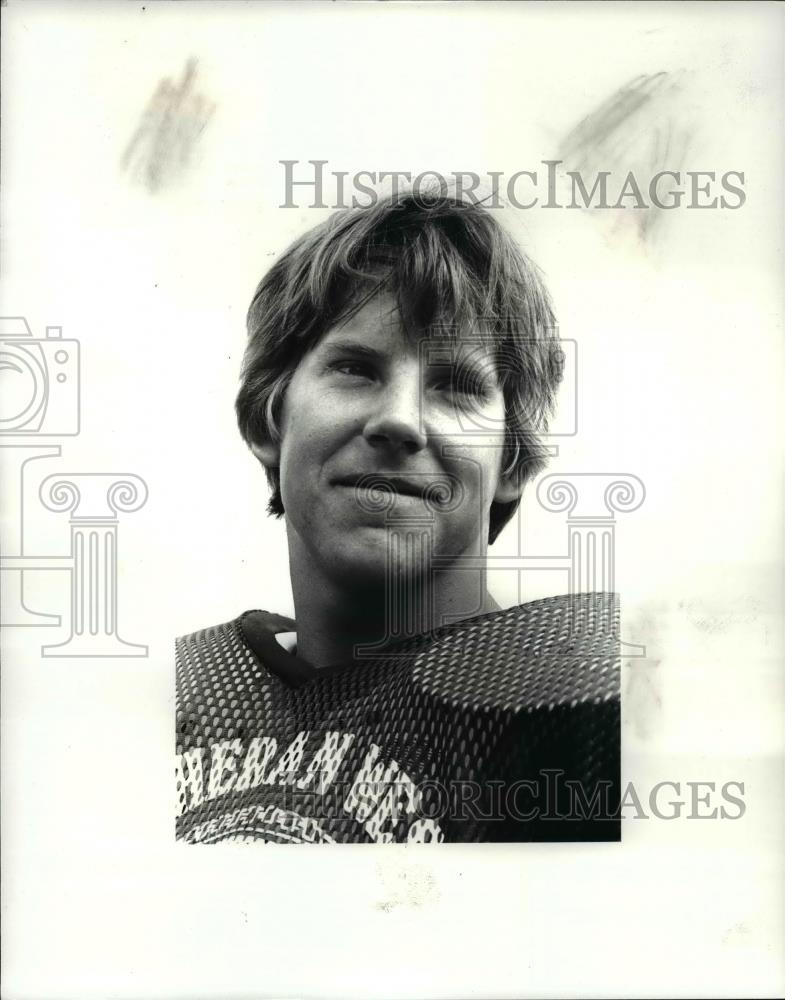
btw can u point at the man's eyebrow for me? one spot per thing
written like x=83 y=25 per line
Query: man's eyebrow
x=357 y=348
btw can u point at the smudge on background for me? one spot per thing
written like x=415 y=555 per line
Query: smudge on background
x=162 y=147
x=644 y=127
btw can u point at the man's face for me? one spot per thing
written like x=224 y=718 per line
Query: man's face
x=370 y=401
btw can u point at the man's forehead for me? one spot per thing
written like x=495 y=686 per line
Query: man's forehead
x=377 y=316
x=378 y=323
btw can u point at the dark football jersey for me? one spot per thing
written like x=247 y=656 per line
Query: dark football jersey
x=502 y=727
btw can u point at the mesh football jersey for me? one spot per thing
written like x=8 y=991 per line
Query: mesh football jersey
x=502 y=727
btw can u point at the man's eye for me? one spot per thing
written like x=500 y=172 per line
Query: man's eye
x=460 y=382
x=353 y=368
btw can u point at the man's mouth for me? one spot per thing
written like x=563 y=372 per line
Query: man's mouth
x=380 y=492
x=388 y=483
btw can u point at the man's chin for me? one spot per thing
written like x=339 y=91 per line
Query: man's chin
x=373 y=557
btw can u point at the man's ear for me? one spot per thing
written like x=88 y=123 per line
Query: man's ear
x=509 y=488
x=268 y=453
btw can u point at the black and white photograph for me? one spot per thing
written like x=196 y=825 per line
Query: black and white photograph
x=391 y=554
x=401 y=359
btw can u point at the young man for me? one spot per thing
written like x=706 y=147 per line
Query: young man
x=402 y=361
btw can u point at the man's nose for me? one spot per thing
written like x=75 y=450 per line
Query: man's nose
x=397 y=419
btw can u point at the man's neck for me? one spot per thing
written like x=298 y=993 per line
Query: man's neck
x=335 y=620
